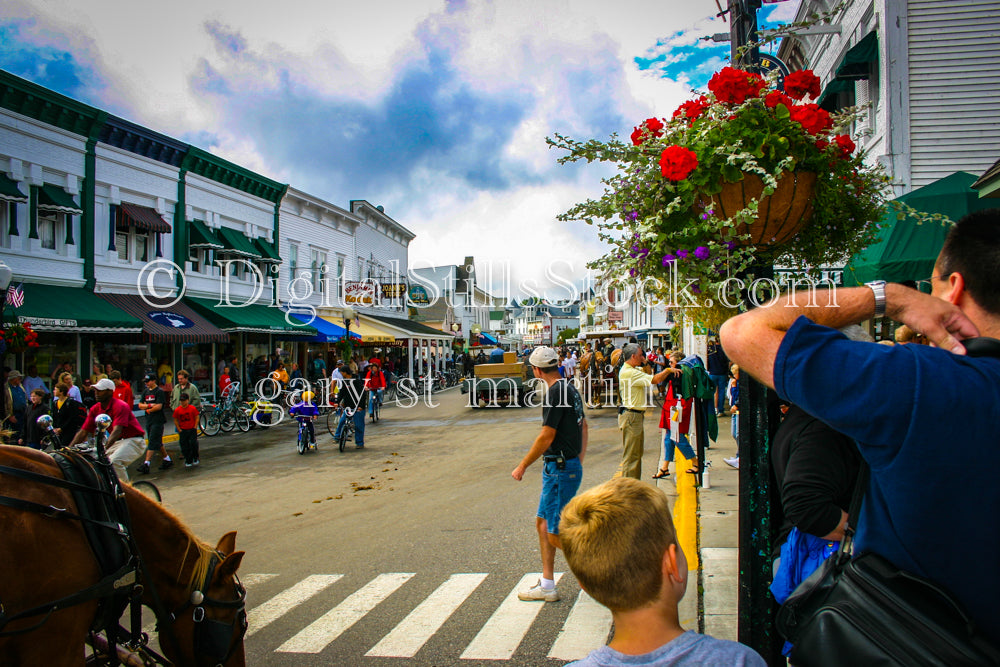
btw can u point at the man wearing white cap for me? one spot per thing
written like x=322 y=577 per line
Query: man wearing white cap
x=126 y=441
x=562 y=445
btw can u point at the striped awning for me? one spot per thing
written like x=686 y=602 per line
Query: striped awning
x=200 y=236
x=142 y=217
x=55 y=199
x=177 y=323
x=236 y=243
x=10 y=192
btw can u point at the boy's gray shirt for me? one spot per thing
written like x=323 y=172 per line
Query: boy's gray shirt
x=688 y=650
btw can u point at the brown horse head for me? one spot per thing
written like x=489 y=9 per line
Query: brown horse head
x=191 y=579
x=197 y=584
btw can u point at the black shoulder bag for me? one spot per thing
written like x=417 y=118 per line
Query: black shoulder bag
x=866 y=611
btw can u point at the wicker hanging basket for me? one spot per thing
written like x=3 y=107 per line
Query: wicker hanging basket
x=780 y=215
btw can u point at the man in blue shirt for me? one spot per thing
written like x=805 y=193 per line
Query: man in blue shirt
x=927 y=509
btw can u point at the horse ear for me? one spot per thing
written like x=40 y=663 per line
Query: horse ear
x=227 y=544
x=227 y=568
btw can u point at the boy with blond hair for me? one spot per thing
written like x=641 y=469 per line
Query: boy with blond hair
x=619 y=541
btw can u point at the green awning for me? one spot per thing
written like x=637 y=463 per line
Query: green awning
x=253 y=318
x=857 y=62
x=10 y=192
x=906 y=250
x=267 y=250
x=200 y=236
x=71 y=309
x=828 y=98
x=236 y=243
x=53 y=198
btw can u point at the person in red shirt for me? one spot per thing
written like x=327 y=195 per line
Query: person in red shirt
x=224 y=381
x=123 y=390
x=375 y=383
x=186 y=421
x=127 y=441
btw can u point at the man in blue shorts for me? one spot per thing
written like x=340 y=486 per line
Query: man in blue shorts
x=562 y=445
x=927 y=513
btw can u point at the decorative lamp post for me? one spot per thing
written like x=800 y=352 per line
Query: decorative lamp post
x=348 y=314
x=476 y=330
x=5 y=277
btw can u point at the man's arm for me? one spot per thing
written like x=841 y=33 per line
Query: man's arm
x=542 y=442
x=585 y=435
x=752 y=339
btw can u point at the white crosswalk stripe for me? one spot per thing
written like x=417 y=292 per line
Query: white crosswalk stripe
x=280 y=604
x=586 y=629
x=586 y=626
x=420 y=625
x=503 y=632
x=319 y=634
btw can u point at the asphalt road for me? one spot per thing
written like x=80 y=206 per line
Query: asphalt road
x=402 y=553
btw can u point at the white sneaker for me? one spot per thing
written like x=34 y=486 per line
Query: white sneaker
x=536 y=592
x=733 y=462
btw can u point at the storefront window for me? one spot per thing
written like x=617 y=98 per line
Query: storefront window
x=197 y=359
x=54 y=349
x=127 y=358
x=257 y=358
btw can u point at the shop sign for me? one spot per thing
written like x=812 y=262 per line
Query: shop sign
x=359 y=293
x=418 y=295
x=168 y=318
x=46 y=321
x=615 y=316
x=393 y=290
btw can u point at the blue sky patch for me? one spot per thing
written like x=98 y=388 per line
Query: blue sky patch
x=47 y=66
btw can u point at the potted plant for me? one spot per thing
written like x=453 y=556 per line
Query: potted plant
x=744 y=175
x=18 y=337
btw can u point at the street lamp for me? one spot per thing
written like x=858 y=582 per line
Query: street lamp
x=348 y=314
x=5 y=277
x=476 y=330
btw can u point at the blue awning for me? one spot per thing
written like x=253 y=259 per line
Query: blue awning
x=328 y=331
x=486 y=339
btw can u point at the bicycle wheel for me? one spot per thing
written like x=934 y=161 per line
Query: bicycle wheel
x=342 y=440
x=148 y=489
x=209 y=422
x=243 y=418
x=331 y=422
x=228 y=421
x=301 y=444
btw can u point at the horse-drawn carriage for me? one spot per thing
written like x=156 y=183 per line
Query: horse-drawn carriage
x=598 y=379
x=80 y=547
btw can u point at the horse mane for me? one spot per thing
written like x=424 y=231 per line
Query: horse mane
x=205 y=552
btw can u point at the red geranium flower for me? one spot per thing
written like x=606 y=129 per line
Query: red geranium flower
x=692 y=108
x=734 y=86
x=845 y=144
x=651 y=127
x=801 y=83
x=811 y=117
x=776 y=97
x=677 y=163
x=822 y=144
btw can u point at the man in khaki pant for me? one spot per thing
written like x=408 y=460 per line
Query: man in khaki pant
x=633 y=385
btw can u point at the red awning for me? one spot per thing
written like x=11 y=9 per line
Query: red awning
x=143 y=217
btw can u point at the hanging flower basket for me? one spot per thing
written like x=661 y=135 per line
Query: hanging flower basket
x=780 y=215
x=740 y=177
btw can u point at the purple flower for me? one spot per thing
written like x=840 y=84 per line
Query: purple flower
x=704 y=216
x=668 y=260
x=632 y=272
x=729 y=245
x=633 y=216
x=701 y=252
x=682 y=254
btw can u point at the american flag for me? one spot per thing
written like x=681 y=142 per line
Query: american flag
x=15 y=295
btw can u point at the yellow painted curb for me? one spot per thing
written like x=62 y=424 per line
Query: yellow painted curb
x=686 y=511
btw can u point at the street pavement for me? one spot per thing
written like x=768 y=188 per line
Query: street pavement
x=411 y=551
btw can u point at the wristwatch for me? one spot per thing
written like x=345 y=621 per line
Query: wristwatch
x=878 y=289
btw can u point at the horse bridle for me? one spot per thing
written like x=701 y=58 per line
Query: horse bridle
x=213 y=639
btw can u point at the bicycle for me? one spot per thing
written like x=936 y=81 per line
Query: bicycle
x=347 y=433
x=376 y=406
x=304 y=443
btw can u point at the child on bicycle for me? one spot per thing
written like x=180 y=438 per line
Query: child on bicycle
x=305 y=413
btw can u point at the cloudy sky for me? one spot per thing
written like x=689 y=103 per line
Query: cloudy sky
x=436 y=109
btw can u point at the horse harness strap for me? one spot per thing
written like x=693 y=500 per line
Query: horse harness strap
x=108 y=586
